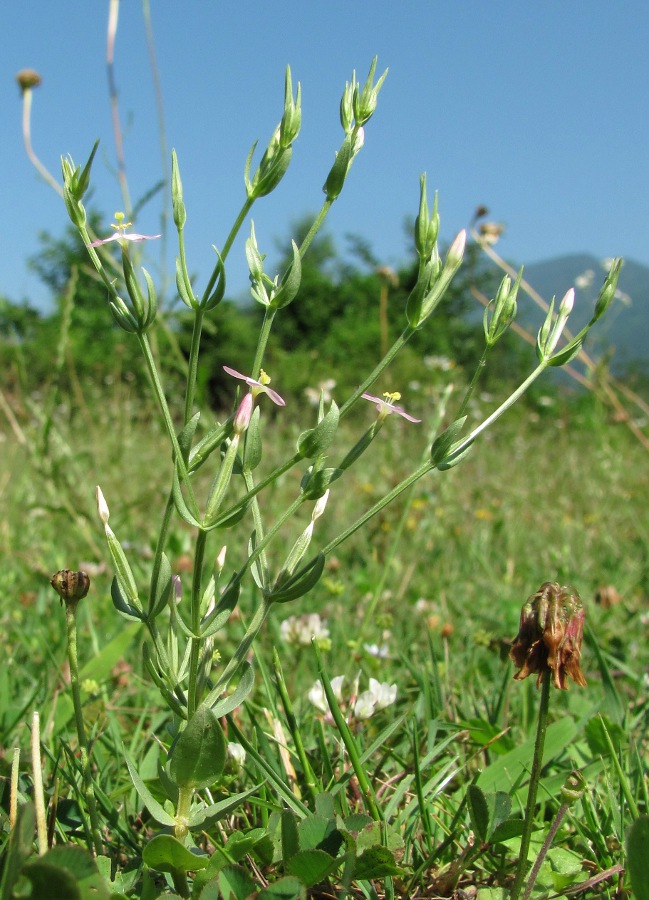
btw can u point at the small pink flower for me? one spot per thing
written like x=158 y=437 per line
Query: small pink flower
x=257 y=387
x=120 y=233
x=385 y=405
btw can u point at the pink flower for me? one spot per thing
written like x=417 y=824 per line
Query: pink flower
x=120 y=233
x=385 y=405
x=257 y=387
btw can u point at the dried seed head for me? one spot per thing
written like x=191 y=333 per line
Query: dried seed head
x=70 y=586
x=549 y=636
x=28 y=78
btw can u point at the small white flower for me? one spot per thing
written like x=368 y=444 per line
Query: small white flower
x=317 y=697
x=364 y=706
x=383 y=694
x=237 y=753
x=300 y=630
x=379 y=651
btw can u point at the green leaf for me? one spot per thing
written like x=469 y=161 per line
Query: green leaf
x=318 y=832
x=637 y=854
x=162 y=587
x=228 y=600
x=230 y=702
x=290 y=842
x=234 y=882
x=506 y=771
x=443 y=442
x=312 y=866
x=165 y=853
x=252 y=450
x=21 y=839
x=316 y=440
x=181 y=506
x=198 y=756
x=289 y=888
x=121 y=604
x=186 y=436
x=300 y=583
x=157 y=811
x=314 y=484
x=488 y=810
x=66 y=872
x=375 y=862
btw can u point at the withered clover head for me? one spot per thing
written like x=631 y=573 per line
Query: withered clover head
x=549 y=636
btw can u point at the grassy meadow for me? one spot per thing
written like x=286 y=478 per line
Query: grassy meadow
x=427 y=596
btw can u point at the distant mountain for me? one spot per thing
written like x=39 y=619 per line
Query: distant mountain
x=625 y=327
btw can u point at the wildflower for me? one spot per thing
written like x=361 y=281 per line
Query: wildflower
x=258 y=387
x=380 y=651
x=550 y=635
x=359 y=706
x=385 y=405
x=237 y=753
x=490 y=232
x=300 y=630
x=120 y=233
x=317 y=696
x=323 y=389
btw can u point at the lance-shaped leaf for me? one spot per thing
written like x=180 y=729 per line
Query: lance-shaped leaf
x=198 y=756
x=316 y=440
x=227 y=704
x=443 y=443
x=186 y=436
x=182 y=508
x=300 y=583
x=161 y=588
x=252 y=451
x=121 y=604
x=156 y=809
x=206 y=817
x=290 y=282
x=228 y=600
x=315 y=483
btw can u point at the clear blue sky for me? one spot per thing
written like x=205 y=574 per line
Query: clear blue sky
x=537 y=110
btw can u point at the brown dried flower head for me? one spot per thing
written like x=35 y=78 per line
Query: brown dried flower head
x=70 y=586
x=28 y=78
x=550 y=635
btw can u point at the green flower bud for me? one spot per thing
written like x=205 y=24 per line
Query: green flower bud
x=608 y=289
x=178 y=205
x=426 y=226
x=336 y=177
x=364 y=103
x=292 y=118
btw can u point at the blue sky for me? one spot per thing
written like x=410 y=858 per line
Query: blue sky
x=536 y=110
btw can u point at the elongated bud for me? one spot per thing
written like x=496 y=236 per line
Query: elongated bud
x=243 y=414
x=292 y=118
x=455 y=253
x=102 y=506
x=608 y=289
x=70 y=586
x=177 y=202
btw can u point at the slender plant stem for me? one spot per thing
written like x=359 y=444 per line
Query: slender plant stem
x=547 y=843
x=196 y=642
x=535 y=777
x=89 y=791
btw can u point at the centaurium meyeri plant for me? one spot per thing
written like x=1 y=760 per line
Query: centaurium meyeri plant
x=178 y=654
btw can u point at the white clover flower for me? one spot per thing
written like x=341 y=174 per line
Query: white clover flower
x=381 y=651
x=364 y=706
x=317 y=697
x=300 y=630
x=383 y=694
